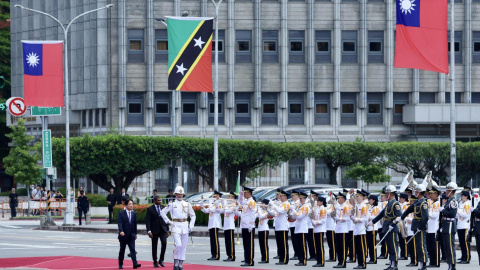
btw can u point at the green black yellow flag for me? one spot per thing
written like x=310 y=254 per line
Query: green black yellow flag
x=190 y=53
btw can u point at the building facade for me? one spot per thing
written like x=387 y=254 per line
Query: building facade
x=289 y=70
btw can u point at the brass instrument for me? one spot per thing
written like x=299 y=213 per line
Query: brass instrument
x=408 y=181
x=403 y=229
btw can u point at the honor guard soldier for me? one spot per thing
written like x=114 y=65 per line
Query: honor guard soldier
x=382 y=204
x=263 y=230
x=276 y=201
x=294 y=205
x=402 y=241
x=342 y=217
x=373 y=211
x=350 y=239
x=331 y=224
x=360 y=218
x=281 y=226
x=408 y=225
x=310 y=237
x=228 y=211
x=433 y=226
x=301 y=229
x=476 y=227
x=248 y=213
x=180 y=211
x=213 y=210
x=419 y=224
x=463 y=225
x=449 y=224
x=390 y=229
x=443 y=201
x=319 y=229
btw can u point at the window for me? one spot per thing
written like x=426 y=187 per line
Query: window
x=242 y=108
x=349 y=46
x=458 y=97
x=211 y=109
x=375 y=47
x=270 y=49
x=162 y=108
x=296 y=41
x=348 y=115
x=399 y=100
x=221 y=47
x=161 y=46
x=104 y=117
x=296 y=171
x=295 y=108
x=97 y=117
x=457 y=45
x=90 y=118
x=426 y=97
x=135 y=108
x=398 y=108
x=189 y=108
x=476 y=46
x=322 y=46
x=84 y=118
x=243 y=52
x=374 y=108
x=135 y=45
x=321 y=108
x=269 y=108
x=322 y=173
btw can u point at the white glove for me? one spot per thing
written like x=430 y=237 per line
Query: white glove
x=270 y=203
x=391 y=227
x=190 y=229
x=440 y=209
x=337 y=219
x=250 y=229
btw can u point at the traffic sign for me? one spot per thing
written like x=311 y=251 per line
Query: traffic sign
x=47 y=148
x=16 y=106
x=42 y=111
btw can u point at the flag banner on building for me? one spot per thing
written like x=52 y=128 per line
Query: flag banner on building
x=43 y=73
x=421 y=39
x=190 y=53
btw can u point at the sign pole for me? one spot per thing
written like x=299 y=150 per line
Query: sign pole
x=49 y=221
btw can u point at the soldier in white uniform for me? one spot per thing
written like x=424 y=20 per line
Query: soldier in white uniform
x=350 y=238
x=228 y=211
x=342 y=218
x=281 y=227
x=301 y=229
x=312 y=202
x=402 y=242
x=433 y=227
x=463 y=216
x=276 y=201
x=382 y=204
x=319 y=230
x=359 y=218
x=180 y=211
x=331 y=224
x=408 y=224
x=213 y=210
x=248 y=213
x=263 y=230
x=373 y=211
x=294 y=205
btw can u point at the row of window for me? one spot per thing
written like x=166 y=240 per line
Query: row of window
x=94 y=118
x=323 y=40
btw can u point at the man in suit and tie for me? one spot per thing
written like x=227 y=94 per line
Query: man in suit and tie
x=122 y=195
x=157 y=228
x=127 y=228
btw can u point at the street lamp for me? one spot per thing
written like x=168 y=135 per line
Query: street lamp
x=68 y=218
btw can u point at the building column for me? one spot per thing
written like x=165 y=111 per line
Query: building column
x=150 y=48
x=257 y=58
x=468 y=52
x=389 y=53
x=282 y=116
x=122 y=66
x=337 y=59
x=363 y=66
x=229 y=45
x=310 y=49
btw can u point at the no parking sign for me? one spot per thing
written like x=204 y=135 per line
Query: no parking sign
x=16 y=106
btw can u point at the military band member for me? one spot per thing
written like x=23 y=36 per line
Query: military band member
x=476 y=227
x=390 y=228
x=350 y=239
x=301 y=229
x=180 y=211
x=228 y=211
x=213 y=210
x=331 y=224
x=281 y=227
x=384 y=247
x=319 y=224
x=463 y=225
x=443 y=200
x=276 y=201
x=402 y=242
x=360 y=218
x=312 y=201
x=411 y=242
x=449 y=224
x=263 y=230
x=373 y=211
x=294 y=204
x=248 y=214
x=419 y=225
x=342 y=217
x=433 y=226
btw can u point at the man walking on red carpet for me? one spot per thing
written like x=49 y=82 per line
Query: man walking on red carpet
x=127 y=228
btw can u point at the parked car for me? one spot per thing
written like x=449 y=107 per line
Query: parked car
x=272 y=193
x=195 y=199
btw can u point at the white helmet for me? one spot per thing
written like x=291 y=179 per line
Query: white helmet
x=452 y=186
x=179 y=190
x=419 y=188
x=390 y=188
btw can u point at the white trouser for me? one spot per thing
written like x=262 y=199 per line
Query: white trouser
x=180 y=245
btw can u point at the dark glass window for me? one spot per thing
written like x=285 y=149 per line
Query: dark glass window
x=161 y=108
x=269 y=46
x=374 y=108
x=242 y=108
x=189 y=108
x=135 y=45
x=323 y=46
x=348 y=46
x=212 y=108
x=162 y=45
x=375 y=46
x=243 y=46
x=321 y=108
x=296 y=46
x=269 y=108
x=134 y=107
x=220 y=45
x=348 y=108
x=295 y=108
x=398 y=108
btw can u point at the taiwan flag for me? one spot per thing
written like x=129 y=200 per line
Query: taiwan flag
x=43 y=73
x=190 y=53
x=421 y=39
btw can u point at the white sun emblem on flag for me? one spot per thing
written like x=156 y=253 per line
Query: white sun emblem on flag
x=407 y=6
x=32 y=59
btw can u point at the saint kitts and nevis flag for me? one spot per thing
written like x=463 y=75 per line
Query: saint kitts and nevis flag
x=421 y=39
x=190 y=53
x=43 y=73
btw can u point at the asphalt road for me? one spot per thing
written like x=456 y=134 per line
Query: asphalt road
x=19 y=239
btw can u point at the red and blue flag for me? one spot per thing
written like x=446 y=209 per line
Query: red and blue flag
x=421 y=39
x=43 y=73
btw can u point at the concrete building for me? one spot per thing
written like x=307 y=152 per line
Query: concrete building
x=298 y=70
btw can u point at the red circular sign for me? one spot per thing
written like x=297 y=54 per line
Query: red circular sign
x=17 y=106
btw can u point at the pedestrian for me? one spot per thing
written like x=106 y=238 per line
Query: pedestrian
x=78 y=191
x=248 y=213
x=180 y=211
x=152 y=198
x=350 y=239
x=112 y=201
x=228 y=211
x=122 y=195
x=312 y=201
x=58 y=195
x=36 y=196
x=213 y=210
x=170 y=197
x=134 y=195
x=263 y=231
x=13 y=202
x=294 y=204
x=127 y=228
x=402 y=241
x=157 y=228
x=82 y=205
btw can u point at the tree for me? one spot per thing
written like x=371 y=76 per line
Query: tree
x=5 y=71
x=468 y=161
x=23 y=160
x=369 y=173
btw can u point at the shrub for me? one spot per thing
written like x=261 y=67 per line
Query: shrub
x=97 y=200
x=20 y=192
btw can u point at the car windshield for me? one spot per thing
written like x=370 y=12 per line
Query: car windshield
x=268 y=195
x=259 y=193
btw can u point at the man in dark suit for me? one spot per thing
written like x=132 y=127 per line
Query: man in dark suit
x=112 y=201
x=82 y=205
x=124 y=194
x=157 y=228
x=127 y=228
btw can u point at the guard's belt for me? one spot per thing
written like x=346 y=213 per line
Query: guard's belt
x=448 y=219
x=179 y=220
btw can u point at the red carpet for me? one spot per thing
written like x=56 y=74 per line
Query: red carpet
x=75 y=262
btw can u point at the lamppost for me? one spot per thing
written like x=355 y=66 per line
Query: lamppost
x=68 y=218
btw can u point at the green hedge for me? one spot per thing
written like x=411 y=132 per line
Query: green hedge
x=97 y=200
x=19 y=191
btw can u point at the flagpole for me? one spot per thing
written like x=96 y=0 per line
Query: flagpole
x=215 y=92
x=453 y=154
x=68 y=218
